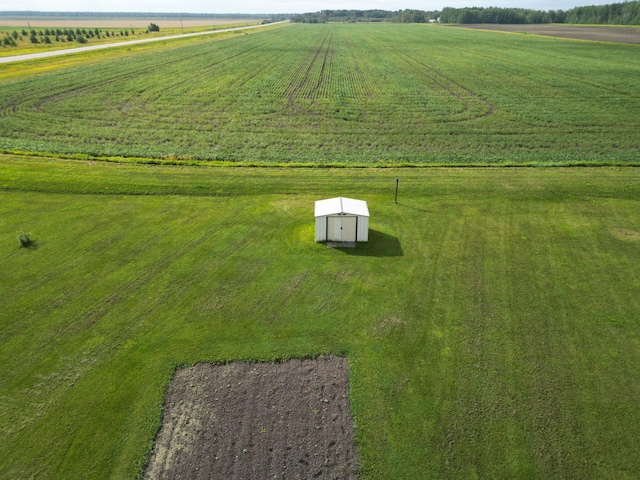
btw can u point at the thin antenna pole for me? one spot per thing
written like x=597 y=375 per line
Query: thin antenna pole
x=397 y=182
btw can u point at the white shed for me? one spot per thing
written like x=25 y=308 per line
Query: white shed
x=342 y=220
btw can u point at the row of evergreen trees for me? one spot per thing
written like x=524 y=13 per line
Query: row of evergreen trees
x=626 y=13
x=60 y=35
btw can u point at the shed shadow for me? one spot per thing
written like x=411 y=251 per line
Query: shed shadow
x=413 y=207
x=379 y=245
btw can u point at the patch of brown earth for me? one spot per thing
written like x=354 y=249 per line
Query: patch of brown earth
x=625 y=234
x=341 y=244
x=600 y=33
x=241 y=420
x=388 y=323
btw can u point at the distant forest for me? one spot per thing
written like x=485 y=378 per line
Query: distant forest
x=626 y=13
x=352 y=16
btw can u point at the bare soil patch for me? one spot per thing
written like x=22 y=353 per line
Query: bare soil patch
x=626 y=234
x=241 y=420
x=341 y=244
x=604 y=33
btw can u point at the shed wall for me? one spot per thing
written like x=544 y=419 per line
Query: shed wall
x=321 y=229
x=362 y=232
x=363 y=229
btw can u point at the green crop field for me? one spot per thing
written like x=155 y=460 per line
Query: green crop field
x=491 y=323
x=336 y=94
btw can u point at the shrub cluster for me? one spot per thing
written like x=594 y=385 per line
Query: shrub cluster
x=8 y=41
x=26 y=241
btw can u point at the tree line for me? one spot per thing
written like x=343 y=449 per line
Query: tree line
x=353 y=16
x=626 y=13
x=499 y=15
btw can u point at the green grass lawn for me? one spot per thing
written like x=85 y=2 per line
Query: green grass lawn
x=491 y=323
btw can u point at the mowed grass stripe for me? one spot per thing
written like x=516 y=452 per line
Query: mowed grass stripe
x=490 y=324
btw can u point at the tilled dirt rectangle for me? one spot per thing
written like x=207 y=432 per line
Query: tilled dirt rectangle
x=263 y=420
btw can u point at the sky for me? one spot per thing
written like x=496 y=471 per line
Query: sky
x=278 y=6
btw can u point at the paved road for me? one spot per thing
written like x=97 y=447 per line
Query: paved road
x=32 y=56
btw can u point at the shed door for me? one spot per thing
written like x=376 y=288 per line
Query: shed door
x=334 y=229
x=349 y=229
x=341 y=229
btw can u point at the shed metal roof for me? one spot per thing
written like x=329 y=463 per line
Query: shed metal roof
x=335 y=206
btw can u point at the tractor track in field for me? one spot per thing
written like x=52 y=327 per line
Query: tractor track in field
x=359 y=74
x=298 y=86
x=254 y=73
x=97 y=84
x=555 y=73
x=321 y=78
x=446 y=83
x=101 y=82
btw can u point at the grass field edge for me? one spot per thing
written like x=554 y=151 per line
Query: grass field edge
x=192 y=162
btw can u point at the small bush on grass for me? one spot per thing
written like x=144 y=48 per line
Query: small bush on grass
x=26 y=241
